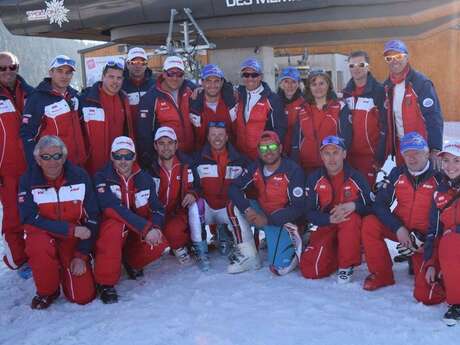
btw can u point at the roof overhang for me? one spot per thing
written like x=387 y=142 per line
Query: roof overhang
x=238 y=23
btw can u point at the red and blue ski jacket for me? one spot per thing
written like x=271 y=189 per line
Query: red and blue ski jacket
x=132 y=201
x=158 y=108
x=12 y=159
x=413 y=196
x=369 y=119
x=321 y=194
x=49 y=113
x=280 y=195
x=421 y=111
x=214 y=178
x=314 y=125
x=444 y=216
x=57 y=210
x=201 y=115
x=267 y=114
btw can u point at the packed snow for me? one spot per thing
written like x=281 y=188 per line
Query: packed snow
x=177 y=305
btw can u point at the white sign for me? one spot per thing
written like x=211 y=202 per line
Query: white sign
x=55 y=11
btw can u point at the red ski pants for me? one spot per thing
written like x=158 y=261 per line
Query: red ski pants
x=116 y=243
x=380 y=264
x=333 y=246
x=12 y=229
x=176 y=230
x=449 y=260
x=50 y=258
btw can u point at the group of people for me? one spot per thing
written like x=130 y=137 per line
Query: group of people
x=135 y=167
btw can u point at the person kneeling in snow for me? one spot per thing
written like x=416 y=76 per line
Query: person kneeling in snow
x=59 y=211
x=337 y=197
x=278 y=182
x=444 y=233
x=132 y=220
x=412 y=186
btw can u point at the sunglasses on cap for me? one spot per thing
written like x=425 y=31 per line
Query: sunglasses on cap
x=127 y=156
x=114 y=64
x=218 y=124
x=62 y=61
x=171 y=74
x=250 y=75
x=268 y=147
x=316 y=72
x=10 y=67
x=138 y=63
x=396 y=57
x=359 y=64
x=47 y=157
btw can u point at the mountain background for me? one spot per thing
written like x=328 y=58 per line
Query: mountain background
x=36 y=53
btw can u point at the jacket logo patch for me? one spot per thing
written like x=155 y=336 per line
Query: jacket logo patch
x=116 y=190
x=232 y=172
x=428 y=102
x=133 y=98
x=297 y=192
x=142 y=198
x=429 y=186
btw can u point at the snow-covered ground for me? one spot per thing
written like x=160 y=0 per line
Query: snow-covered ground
x=180 y=306
x=174 y=305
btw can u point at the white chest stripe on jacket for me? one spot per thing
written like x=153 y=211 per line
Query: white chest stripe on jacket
x=93 y=114
x=7 y=106
x=55 y=109
x=74 y=193
x=207 y=170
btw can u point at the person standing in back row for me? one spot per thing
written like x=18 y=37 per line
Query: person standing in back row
x=365 y=96
x=13 y=94
x=411 y=102
x=167 y=104
x=138 y=79
x=106 y=115
x=53 y=110
x=258 y=109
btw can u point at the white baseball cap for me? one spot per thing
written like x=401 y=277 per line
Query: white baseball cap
x=165 y=132
x=173 y=62
x=452 y=147
x=136 y=52
x=123 y=143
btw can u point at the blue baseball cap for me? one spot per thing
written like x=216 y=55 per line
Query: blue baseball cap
x=412 y=141
x=251 y=63
x=396 y=45
x=289 y=73
x=333 y=140
x=211 y=70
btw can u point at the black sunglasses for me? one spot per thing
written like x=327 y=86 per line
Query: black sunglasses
x=172 y=74
x=250 y=75
x=127 y=156
x=10 y=67
x=47 y=157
